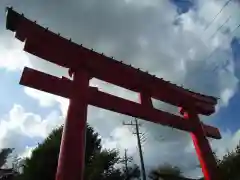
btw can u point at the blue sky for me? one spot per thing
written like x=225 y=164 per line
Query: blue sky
x=227 y=118
x=15 y=94
x=144 y=35
x=183 y=5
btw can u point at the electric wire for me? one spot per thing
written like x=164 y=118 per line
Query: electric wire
x=215 y=17
x=217 y=48
x=220 y=27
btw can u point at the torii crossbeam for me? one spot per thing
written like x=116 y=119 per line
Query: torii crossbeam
x=86 y=64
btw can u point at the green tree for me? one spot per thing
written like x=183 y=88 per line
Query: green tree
x=163 y=170
x=99 y=163
x=6 y=173
x=4 y=154
x=167 y=172
x=131 y=172
x=229 y=165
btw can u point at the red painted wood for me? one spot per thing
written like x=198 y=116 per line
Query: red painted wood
x=202 y=147
x=48 y=83
x=72 y=151
x=145 y=100
x=53 y=48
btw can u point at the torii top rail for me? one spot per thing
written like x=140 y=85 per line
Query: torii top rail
x=86 y=64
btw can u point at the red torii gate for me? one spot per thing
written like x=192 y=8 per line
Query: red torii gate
x=85 y=64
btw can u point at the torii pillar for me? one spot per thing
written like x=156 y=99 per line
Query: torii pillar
x=59 y=50
x=72 y=151
x=201 y=144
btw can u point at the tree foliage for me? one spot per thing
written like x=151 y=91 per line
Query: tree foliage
x=132 y=172
x=99 y=163
x=4 y=154
x=163 y=170
x=229 y=165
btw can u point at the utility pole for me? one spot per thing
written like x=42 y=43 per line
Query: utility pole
x=136 y=124
x=125 y=161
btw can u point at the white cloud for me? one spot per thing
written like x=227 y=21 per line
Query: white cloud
x=226 y=95
x=27 y=152
x=117 y=140
x=142 y=34
x=12 y=57
x=19 y=126
x=44 y=99
x=164 y=39
x=228 y=143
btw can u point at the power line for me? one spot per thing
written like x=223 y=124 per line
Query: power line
x=143 y=138
x=225 y=5
x=235 y=28
x=217 y=48
x=136 y=125
x=220 y=27
x=211 y=53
